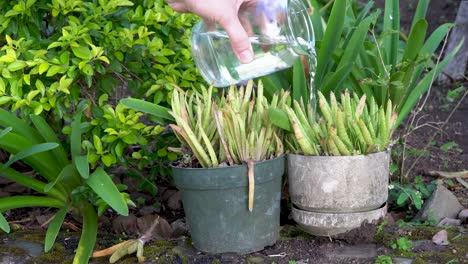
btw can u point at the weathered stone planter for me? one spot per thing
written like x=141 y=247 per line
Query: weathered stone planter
x=331 y=186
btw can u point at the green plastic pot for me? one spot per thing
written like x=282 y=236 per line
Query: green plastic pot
x=215 y=201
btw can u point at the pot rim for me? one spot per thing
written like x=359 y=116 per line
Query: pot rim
x=386 y=151
x=225 y=167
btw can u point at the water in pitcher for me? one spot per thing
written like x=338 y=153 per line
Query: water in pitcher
x=271 y=55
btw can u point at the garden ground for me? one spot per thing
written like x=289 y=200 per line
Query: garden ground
x=440 y=143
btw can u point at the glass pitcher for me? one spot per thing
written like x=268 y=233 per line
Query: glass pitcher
x=279 y=31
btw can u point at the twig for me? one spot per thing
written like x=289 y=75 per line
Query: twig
x=435 y=134
x=149 y=233
x=462 y=182
x=418 y=110
x=450 y=175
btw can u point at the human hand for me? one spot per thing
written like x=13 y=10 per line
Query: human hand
x=224 y=13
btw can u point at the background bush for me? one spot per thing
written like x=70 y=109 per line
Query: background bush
x=58 y=54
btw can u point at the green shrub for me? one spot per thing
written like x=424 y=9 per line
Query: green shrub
x=58 y=54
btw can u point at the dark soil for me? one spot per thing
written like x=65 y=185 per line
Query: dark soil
x=362 y=245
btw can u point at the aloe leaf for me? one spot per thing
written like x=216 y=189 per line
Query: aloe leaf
x=273 y=83
x=147 y=107
x=29 y=152
x=423 y=85
x=300 y=88
x=331 y=39
x=54 y=228
x=50 y=136
x=104 y=187
x=279 y=118
x=88 y=235
x=4 y=224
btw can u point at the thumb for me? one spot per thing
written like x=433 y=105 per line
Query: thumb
x=239 y=39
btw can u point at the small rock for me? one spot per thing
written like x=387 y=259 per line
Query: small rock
x=179 y=228
x=175 y=201
x=363 y=251
x=402 y=261
x=127 y=224
x=167 y=194
x=449 y=222
x=463 y=215
x=147 y=210
x=441 y=204
x=441 y=238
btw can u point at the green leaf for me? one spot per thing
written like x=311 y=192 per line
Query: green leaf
x=49 y=136
x=66 y=172
x=392 y=29
x=29 y=152
x=331 y=40
x=14 y=202
x=147 y=107
x=82 y=52
x=5 y=131
x=280 y=118
x=448 y=146
x=415 y=40
x=88 y=235
x=402 y=198
x=423 y=85
x=300 y=88
x=17 y=65
x=81 y=163
x=104 y=187
x=420 y=13
x=4 y=224
x=54 y=229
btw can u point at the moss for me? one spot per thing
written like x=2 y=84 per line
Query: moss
x=14 y=251
x=216 y=261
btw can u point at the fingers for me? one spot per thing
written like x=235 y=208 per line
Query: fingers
x=239 y=39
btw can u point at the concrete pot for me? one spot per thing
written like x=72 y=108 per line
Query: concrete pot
x=329 y=224
x=339 y=184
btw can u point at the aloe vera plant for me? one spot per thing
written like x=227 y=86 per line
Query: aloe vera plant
x=352 y=126
x=64 y=182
